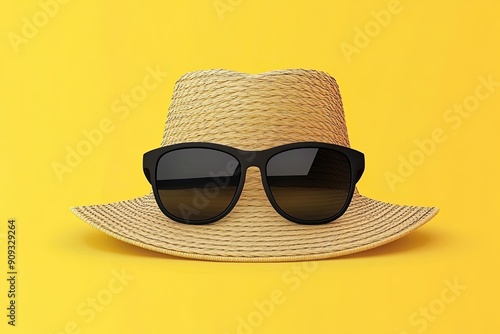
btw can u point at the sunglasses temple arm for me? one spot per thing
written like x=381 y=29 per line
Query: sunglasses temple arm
x=359 y=174
x=147 y=162
x=361 y=168
x=147 y=174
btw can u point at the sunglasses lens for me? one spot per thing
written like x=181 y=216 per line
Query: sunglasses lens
x=196 y=184
x=310 y=184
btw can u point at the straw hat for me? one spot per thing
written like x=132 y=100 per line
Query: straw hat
x=255 y=112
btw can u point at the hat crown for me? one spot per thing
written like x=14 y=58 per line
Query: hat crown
x=256 y=111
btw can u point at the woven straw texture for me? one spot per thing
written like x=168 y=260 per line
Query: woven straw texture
x=254 y=112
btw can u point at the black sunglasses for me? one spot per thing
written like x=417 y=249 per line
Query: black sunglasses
x=200 y=183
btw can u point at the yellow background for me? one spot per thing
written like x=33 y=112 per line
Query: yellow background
x=396 y=89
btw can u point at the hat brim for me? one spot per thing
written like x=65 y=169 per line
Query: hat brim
x=256 y=233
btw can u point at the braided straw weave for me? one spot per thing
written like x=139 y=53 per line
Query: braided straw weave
x=255 y=112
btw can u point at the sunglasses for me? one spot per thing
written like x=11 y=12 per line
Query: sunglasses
x=200 y=183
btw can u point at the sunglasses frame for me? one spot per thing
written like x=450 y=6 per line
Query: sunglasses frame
x=257 y=159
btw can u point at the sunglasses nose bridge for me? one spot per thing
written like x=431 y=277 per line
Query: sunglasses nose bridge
x=252 y=159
